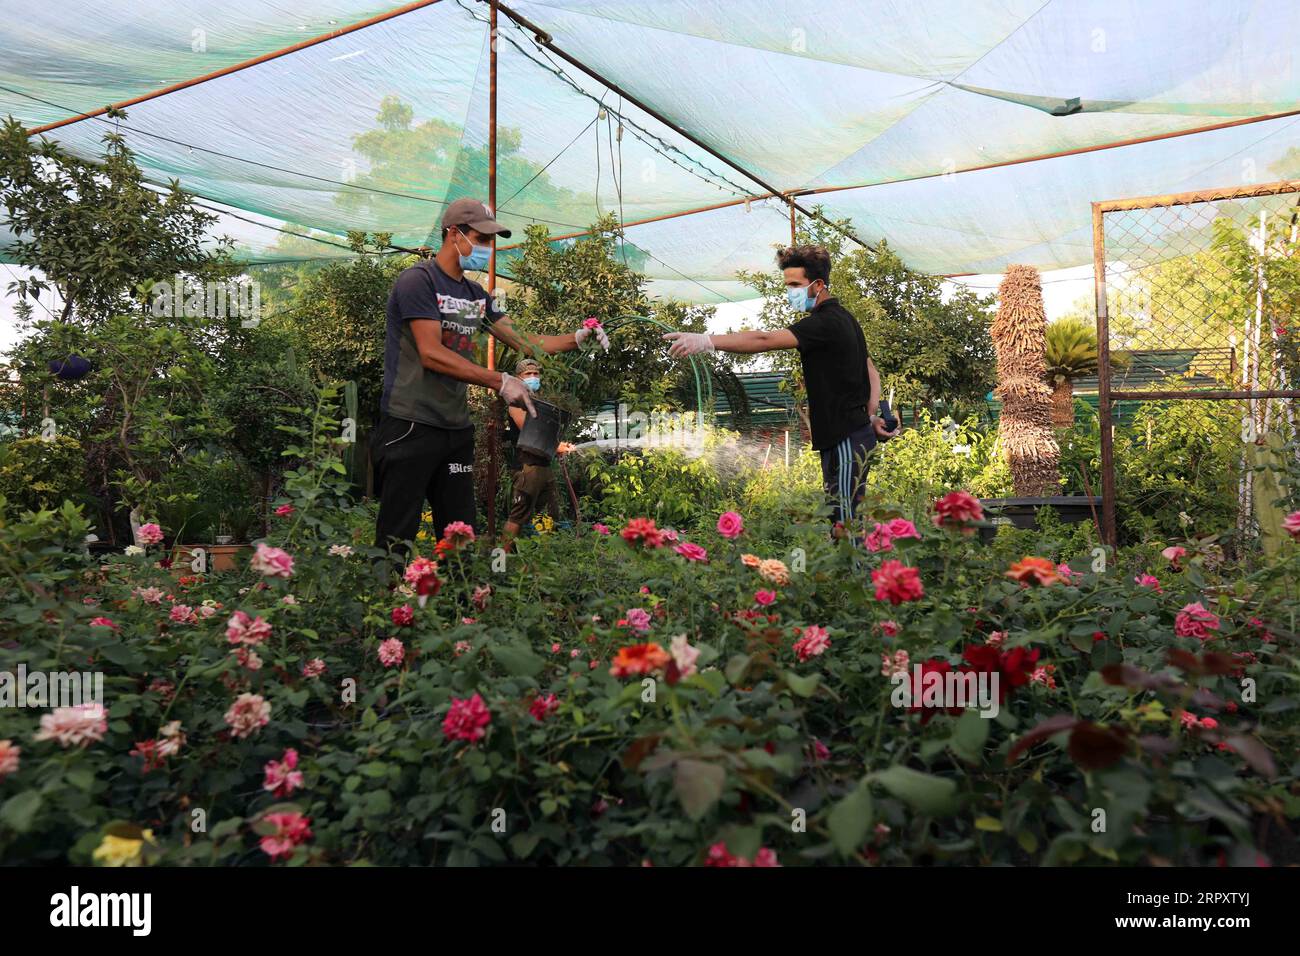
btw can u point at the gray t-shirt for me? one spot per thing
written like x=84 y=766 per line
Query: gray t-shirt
x=411 y=391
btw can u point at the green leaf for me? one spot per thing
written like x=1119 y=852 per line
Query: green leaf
x=227 y=827
x=801 y=686
x=19 y=811
x=517 y=661
x=698 y=785
x=736 y=668
x=850 y=819
x=933 y=796
x=522 y=844
x=970 y=735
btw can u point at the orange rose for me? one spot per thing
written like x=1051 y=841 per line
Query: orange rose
x=1035 y=571
x=639 y=659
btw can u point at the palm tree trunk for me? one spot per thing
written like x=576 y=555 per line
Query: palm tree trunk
x=1063 y=404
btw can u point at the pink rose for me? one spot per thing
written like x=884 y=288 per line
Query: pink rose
x=692 y=552
x=902 y=528
x=150 y=534
x=764 y=598
x=282 y=776
x=813 y=643
x=272 y=562
x=1195 y=621
x=243 y=629
x=879 y=539
x=284 y=511
x=391 y=652
x=291 y=829
x=730 y=525
x=466 y=719
x=1291 y=524
x=1173 y=554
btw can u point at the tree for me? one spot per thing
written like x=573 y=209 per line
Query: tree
x=559 y=284
x=1025 y=425
x=1071 y=352
x=96 y=231
x=338 y=314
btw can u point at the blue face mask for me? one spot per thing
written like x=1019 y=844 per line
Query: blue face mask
x=478 y=257
x=800 y=299
x=533 y=384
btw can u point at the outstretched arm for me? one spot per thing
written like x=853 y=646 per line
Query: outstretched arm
x=527 y=343
x=744 y=343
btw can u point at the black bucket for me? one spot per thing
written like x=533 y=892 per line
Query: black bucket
x=541 y=435
x=1021 y=512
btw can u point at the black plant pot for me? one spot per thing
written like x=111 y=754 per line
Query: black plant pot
x=71 y=368
x=541 y=435
x=1021 y=512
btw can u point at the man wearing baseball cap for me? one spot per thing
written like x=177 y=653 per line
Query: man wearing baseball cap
x=423 y=445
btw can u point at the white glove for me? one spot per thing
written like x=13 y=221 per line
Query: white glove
x=580 y=336
x=515 y=392
x=688 y=343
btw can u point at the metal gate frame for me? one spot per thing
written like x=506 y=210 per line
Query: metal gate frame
x=1105 y=394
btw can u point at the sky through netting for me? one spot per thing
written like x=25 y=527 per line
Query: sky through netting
x=886 y=110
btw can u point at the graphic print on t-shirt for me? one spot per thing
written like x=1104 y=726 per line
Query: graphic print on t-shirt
x=461 y=319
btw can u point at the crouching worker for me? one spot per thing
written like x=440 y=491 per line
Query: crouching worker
x=533 y=487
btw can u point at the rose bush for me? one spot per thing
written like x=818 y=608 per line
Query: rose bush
x=629 y=697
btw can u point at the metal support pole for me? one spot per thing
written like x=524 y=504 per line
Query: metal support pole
x=496 y=406
x=1104 y=412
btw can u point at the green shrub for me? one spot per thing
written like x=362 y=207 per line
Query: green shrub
x=910 y=468
x=36 y=473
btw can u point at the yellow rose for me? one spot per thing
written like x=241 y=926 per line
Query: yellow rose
x=121 y=851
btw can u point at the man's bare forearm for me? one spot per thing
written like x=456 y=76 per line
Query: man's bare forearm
x=753 y=341
x=529 y=344
x=446 y=362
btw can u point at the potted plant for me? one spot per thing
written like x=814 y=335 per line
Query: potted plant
x=1025 y=425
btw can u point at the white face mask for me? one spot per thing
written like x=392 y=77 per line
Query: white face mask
x=801 y=298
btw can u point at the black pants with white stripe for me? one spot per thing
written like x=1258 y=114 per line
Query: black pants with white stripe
x=844 y=470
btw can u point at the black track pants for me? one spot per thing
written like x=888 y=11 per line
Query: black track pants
x=413 y=463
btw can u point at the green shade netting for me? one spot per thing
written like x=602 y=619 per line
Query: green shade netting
x=887 y=103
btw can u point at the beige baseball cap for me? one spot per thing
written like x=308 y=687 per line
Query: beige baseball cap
x=472 y=213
